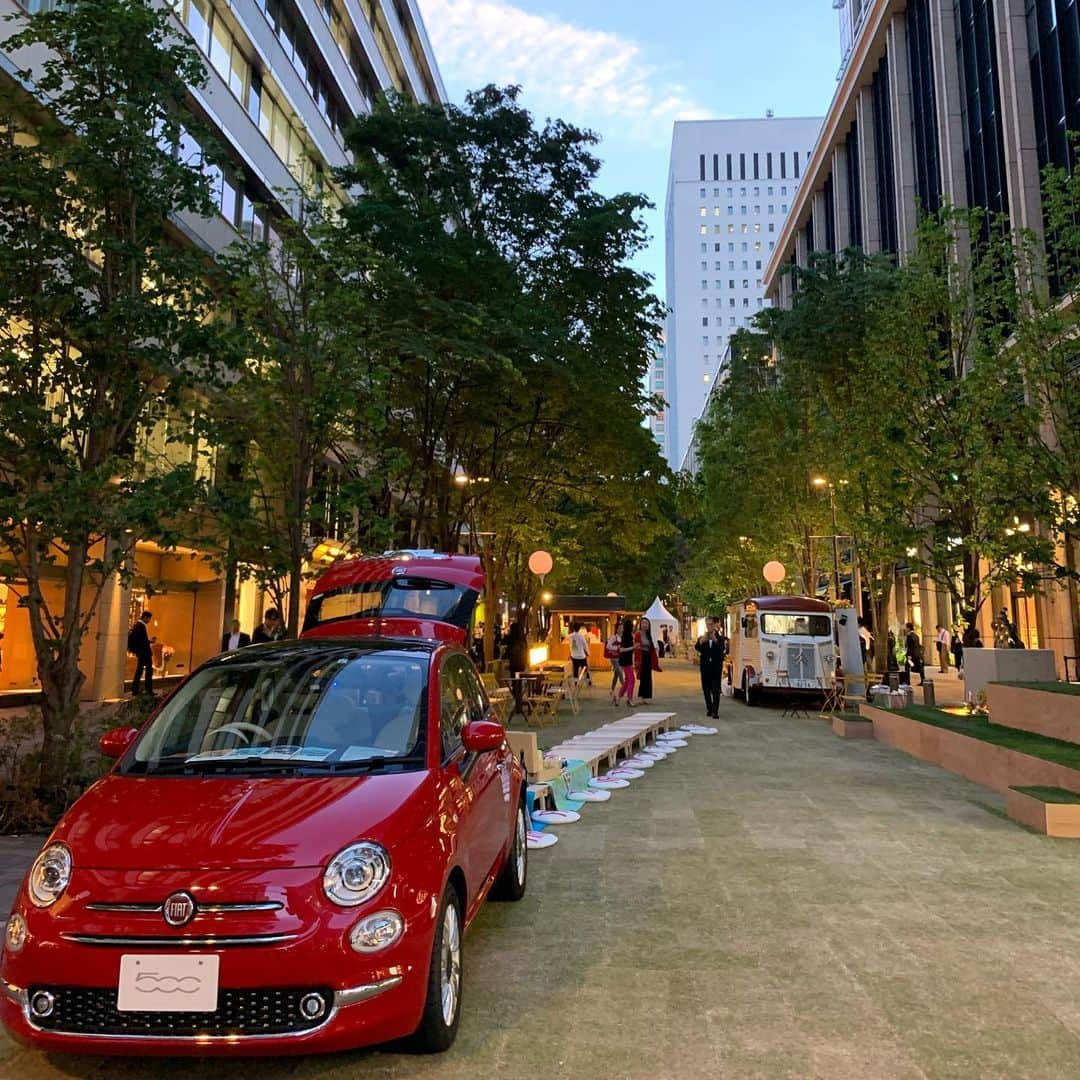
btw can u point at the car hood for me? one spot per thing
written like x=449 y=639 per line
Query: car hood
x=143 y=823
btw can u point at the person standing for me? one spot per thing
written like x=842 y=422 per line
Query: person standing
x=646 y=659
x=139 y=644
x=958 y=650
x=913 y=649
x=943 y=643
x=711 y=648
x=270 y=629
x=866 y=643
x=235 y=638
x=517 y=648
x=579 y=650
x=626 y=663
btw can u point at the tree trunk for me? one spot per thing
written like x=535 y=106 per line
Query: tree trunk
x=880 y=595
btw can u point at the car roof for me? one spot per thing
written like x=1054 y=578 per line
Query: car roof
x=291 y=647
x=463 y=570
x=791 y=604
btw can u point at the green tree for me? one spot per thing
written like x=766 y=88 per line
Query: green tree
x=103 y=329
x=515 y=332
x=304 y=387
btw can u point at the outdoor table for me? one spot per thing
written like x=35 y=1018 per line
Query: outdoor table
x=520 y=686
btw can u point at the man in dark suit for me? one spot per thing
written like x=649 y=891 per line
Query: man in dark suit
x=235 y=638
x=139 y=645
x=711 y=649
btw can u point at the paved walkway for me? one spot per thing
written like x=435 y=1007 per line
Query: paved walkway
x=771 y=902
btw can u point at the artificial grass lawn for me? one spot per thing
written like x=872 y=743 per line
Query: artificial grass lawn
x=1050 y=794
x=1048 y=687
x=978 y=727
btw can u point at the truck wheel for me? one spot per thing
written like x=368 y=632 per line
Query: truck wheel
x=748 y=691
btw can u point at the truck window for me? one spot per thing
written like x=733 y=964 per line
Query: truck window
x=777 y=624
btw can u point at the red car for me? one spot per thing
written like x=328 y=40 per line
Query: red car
x=283 y=860
x=397 y=594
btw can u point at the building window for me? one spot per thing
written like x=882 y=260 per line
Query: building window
x=731 y=209
x=704 y=284
x=704 y=248
x=772 y=227
x=704 y=211
x=883 y=150
x=704 y=339
x=701 y=193
x=772 y=209
x=924 y=106
x=704 y=320
x=703 y=229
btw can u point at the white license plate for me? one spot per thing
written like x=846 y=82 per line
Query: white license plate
x=168 y=984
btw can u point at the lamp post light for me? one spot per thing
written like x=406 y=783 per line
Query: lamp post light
x=822 y=482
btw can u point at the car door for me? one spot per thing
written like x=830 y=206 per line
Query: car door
x=473 y=779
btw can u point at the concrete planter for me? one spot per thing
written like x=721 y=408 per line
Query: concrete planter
x=852 y=728
x=1041 y=711
x=1053 y=819
x=994 y=767
x=982 y=666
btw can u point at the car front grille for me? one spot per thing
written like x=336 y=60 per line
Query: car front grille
x=81 y=1010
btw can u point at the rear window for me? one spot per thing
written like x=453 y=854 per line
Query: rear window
x=400 y=597
x=777 y=624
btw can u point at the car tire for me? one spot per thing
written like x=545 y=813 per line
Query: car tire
x=511 y=882
x=442 y=1004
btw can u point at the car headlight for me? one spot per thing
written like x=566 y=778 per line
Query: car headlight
x=15 y=934
x=49 y=876
x=356 y=874
x=376 y=932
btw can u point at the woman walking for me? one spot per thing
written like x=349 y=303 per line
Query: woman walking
x=626 y=663
x=646 y=660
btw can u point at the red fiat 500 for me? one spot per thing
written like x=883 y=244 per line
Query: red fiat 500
x=282 y=860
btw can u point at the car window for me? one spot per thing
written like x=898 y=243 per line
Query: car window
x=454 y=705
x=335 y=706
x=474 y=692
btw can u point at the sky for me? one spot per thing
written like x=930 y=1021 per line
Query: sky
x=627 y=69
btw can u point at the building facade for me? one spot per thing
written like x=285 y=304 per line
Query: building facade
x=730 y=186
x=941 y=101
x=284 y=79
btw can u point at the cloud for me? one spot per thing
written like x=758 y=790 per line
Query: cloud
x=590 y=77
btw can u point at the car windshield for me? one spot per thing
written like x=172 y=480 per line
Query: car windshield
x=294 y=710
x=777 y=624
x=400 y=597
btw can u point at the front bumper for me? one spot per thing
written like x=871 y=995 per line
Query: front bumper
x=343 y=1025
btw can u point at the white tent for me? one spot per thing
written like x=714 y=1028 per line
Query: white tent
x=659 y=617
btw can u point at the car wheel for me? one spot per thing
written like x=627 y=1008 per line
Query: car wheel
x=510 y=884
x=442 y=1006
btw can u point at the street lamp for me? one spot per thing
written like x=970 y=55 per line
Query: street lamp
x=822 y=482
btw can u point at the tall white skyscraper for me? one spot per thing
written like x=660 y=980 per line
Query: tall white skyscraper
x=730 y=184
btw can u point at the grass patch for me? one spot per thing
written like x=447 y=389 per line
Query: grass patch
x=1047 y=687
x=978 y=727
x=1050 y=794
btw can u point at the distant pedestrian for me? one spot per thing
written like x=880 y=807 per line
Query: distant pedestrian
x=646 y=660
x=270 y=629
x=517 y=648
x=711 y=647
x=958 y=650
x=913 y=649
x=626 y=663
x=943 y=643
x=611 y=652
x=866 y=643
x=235 y=638
x=140 y=645
x=891 y=662
x=579 y=650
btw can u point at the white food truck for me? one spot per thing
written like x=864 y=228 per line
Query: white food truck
x=780 y=645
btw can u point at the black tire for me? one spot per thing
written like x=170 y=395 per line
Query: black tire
x=511 y=882
x=435 y=1033
x=749 y=693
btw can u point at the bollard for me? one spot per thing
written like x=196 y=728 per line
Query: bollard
x=928 y=695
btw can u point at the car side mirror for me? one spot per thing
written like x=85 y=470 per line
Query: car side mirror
x=481 y=736
x=115 y=742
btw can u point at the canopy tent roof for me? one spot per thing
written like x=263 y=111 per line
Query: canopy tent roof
x=659 y=615
x=587 y=605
